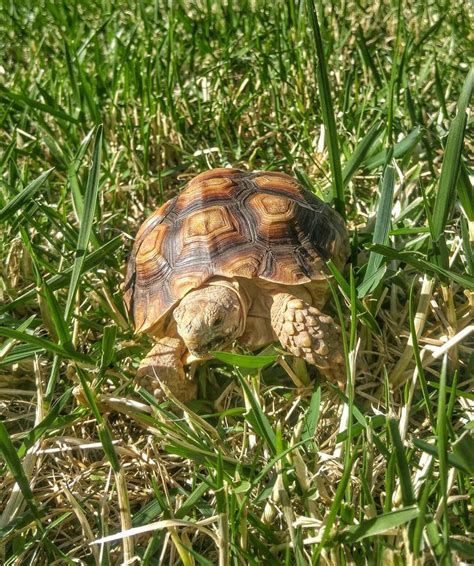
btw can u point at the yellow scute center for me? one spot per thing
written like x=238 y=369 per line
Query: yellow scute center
x=207 y=223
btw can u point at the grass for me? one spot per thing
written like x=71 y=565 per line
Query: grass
x=106 y=109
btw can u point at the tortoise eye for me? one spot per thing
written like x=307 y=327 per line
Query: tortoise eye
x=217 y=321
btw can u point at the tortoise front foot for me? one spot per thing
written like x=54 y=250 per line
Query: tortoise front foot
x=163 y=365
x=309 y=334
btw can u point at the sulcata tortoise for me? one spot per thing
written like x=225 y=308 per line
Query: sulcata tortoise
x=237 y=256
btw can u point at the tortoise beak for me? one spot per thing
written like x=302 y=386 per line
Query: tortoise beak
x=202 y=350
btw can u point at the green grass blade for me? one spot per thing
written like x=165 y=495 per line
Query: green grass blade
x=48 y=423
x=442 y=440
x=260 y=421
x=380 y=524
x=335 y=506
x=421 y=520
x=30 y=103
x=466 y=192
x=327 y=111
x=453 y=459
x=24 y=196
x=464 y=549
x=49 y=305
x=86 y=221
x=463 y=449
x=7 y=345
x=57 y=317
x=72 y=171
x=360 y=152
x=418 y=361
x=364 y=314
x=406 y=485
x=415 y=260
x=383 y=223
x=108 y=345
x=311 y=417
x=45 y=345
x=14 y=465
x=450 y=170
x=8 y=152
x=400 y=149
x=244 y=361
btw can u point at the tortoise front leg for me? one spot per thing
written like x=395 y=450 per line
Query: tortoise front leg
x=309 y=334
x=163 y=364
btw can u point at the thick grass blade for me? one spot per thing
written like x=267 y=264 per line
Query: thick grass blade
x=108 y=345
x=380 y=524
x=14 y=465
x=23 y=100
x=400 y=149
x=463 y=449
x=360 y=152
x=453 y=459
x=260 y=421
x=363 y=313
x=437 y=545
x=383 y=223
x=450 y=171
x=442 y=440
x=466 y=192
x=408 y=495
x=327 y=111
x=311 y=417
x=45 y=345
x=72 y=170
x=57 y=317
x=415 y=260
x=86 y=221
x=24 y=196
x=244 y=361
x=464 y=549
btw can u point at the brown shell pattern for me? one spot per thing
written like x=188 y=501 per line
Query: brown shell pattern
x=230 y=223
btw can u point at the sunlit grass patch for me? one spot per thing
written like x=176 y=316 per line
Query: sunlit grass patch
x=106 y=109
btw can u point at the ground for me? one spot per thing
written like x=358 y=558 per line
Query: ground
x=106 y=109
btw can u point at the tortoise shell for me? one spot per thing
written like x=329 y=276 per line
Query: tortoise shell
x=230 y=223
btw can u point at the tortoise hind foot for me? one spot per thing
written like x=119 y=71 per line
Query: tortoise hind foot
x=163 y=366
x=309 y=334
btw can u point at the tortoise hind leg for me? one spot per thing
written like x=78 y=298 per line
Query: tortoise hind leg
x=163 y=364
x=309 y=334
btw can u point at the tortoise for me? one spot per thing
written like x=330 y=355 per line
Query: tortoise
x=236 y=257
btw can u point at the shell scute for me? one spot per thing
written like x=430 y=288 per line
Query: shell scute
x=208 y=223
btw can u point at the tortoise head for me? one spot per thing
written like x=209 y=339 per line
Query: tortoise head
x=210 y=318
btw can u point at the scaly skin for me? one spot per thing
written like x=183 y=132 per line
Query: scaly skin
x=163 y=365
x=308 y=333
x=207 y=319
x=210 y=318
